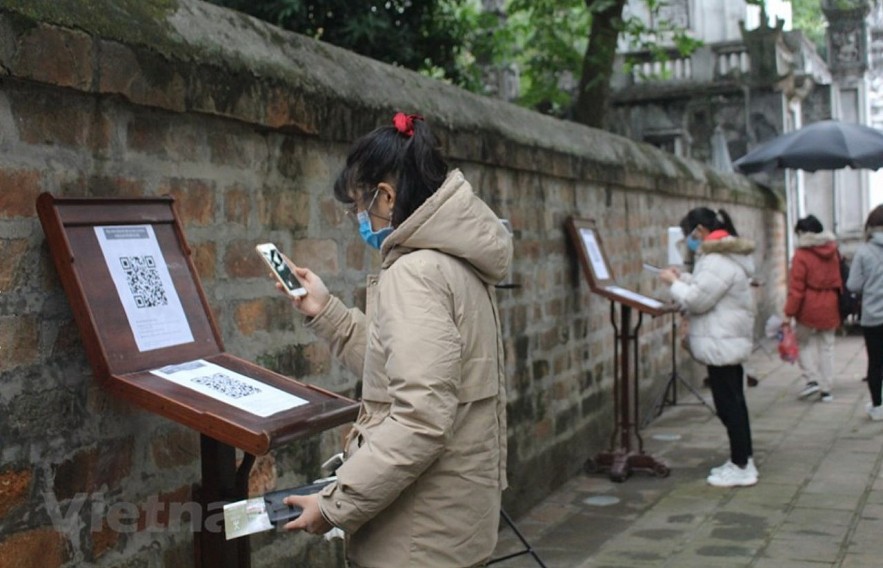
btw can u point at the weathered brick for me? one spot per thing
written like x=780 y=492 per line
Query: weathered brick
x=318 y=356
x=334 y=213
x=265 y=314
x=57 y=56
x=251 y=316
x=12 y=251
x=263 y=476
x=18 y=193
x=155 y=510
x=204 y=259
x=194 y=200
x=104 y=186
x=242 y=261
x=44 y=118
x=174 y=447
x=237 y=205
x=320 y=255
x=88 y=470
x=283 y=209
x=355 y=255
x=14 y=488
x=103 y=540
x=44 y=547
x=19 y=341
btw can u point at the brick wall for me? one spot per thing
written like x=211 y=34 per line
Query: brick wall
x=246 y=126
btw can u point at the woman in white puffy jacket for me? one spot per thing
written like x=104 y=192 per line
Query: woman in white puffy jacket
x=718 y=300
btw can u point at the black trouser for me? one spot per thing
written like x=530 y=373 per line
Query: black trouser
x=874 y=345
x=729 y=400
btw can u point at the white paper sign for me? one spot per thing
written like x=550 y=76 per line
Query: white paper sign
x=599 y=267
x=230 y=387
x=640 y=298
x=145 y=288
x=675 y=235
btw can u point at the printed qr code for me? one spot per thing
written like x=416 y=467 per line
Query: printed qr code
x=226 y=385
x=144 y=281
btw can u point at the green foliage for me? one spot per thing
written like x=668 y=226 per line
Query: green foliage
x=807 y=17
x=424 y=35
x=551 y=39
x=456 y=41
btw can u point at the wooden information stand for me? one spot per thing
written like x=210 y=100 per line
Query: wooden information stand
x=121 y=367
x=620 y=459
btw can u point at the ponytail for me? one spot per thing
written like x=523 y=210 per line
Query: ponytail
x=708 y=219
x=726 y=223
x=422 y=173
x=406 y=152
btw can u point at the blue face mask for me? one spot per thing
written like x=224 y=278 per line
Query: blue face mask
x=693 y=243
x=371 y=237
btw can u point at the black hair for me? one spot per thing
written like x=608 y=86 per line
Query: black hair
x=708 y=219
x=413 y=163
x=809 y=224
x=875 y=218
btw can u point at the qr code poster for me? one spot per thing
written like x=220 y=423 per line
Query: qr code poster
x=144 y=286
x=230 y=387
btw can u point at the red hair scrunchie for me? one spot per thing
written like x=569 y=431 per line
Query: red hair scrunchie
x=404 y=123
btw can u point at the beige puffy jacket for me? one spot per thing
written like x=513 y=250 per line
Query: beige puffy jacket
x=425 y=462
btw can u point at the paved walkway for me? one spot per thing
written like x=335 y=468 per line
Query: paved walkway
x=819 y=501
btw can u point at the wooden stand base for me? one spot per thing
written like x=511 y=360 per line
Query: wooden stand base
x=621 y=463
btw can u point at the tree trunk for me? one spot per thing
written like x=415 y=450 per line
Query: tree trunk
x=593 y=95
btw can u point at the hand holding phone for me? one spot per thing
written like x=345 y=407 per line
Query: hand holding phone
x=281 y=271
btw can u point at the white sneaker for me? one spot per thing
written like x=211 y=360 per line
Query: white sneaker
x=720 y=469
x=733 y=476
x=875 y=413
x=826 y=397
x=810 y=388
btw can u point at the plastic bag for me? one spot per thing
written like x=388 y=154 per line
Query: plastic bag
x=773 y=326
x=787 y=344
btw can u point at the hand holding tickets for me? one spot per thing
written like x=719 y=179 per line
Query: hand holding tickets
x=669 y=275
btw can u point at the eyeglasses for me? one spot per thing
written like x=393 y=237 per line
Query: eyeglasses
x=352 y=210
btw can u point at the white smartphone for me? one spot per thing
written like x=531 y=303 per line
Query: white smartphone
x=651 y=268
x=277 y=264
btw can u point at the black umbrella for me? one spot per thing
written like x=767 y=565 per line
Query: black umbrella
x=825 y=145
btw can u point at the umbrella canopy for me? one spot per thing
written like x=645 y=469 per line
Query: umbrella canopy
x=825 y=145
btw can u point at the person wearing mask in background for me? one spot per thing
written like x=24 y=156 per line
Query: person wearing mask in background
x=814 y=286
x=866 y=278
x=718 y=300
x=425 y=461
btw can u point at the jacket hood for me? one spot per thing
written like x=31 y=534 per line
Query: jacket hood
x=736 y=248
x=456 y=222
x=806 y=240
x=822 y=244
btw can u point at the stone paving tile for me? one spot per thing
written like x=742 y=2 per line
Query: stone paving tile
x=819 y=501
x=808 y=549
x=861 y=561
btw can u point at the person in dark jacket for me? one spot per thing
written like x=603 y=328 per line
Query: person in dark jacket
x=814 y=286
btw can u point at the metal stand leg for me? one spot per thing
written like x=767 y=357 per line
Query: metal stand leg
x=669 y=396
x=528 y=549
x=620 y=460
x=222 y=482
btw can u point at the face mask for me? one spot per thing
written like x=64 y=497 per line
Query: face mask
x=371 y=237
x=693 y=243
